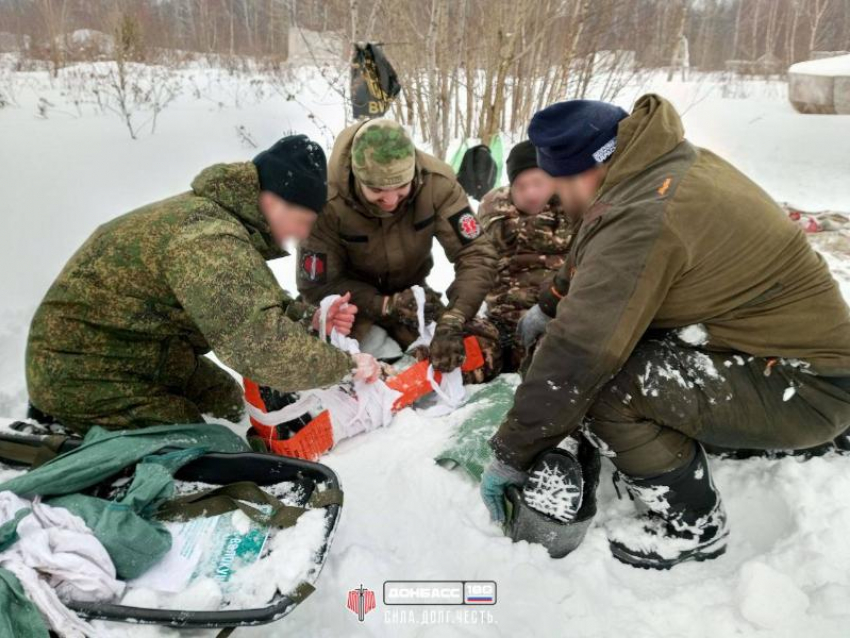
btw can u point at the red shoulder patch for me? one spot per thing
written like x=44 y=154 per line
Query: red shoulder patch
x=466 y=226
x=313 y=267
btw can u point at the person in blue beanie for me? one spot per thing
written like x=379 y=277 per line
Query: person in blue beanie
x=689 y=311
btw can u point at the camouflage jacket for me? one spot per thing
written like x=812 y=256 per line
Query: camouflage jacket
x=531 y=248
x=151 y=290
x=358 y=248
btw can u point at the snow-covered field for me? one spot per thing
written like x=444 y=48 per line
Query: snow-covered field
x=787 y=571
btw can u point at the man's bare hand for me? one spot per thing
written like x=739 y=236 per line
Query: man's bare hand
x=341 y=316
x=368 y=369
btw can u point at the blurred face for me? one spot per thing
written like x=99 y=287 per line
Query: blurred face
x=576 y=192
x=531 y=190
x=387 y=199
x=288 y=221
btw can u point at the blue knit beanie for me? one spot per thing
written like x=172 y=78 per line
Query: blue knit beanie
x=574 y=136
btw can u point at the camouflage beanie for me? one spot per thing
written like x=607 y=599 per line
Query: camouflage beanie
x=383 y=155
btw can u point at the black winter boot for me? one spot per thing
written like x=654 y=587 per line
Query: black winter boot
x=842 y=442
x=683 y=518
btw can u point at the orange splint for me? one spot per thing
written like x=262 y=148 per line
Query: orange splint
x=316 y=437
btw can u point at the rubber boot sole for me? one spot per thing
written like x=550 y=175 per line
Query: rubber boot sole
x=708 y=551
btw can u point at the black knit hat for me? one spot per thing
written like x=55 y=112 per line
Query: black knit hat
x=574 y=136
x=521 y=157
x=295 y=169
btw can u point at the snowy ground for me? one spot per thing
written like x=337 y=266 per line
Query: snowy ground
x=786 y=572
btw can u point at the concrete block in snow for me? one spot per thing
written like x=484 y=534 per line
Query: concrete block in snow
x=820 y=86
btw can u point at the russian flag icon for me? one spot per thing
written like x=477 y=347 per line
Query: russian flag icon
x=479 y=593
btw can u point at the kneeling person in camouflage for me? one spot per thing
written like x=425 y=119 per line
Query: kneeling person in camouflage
x=387 y=203
x=118 y=339
x=532 y=234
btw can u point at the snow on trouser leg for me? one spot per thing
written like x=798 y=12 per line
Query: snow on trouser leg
x=667 y=395
x=683 y=518
x=558 y=502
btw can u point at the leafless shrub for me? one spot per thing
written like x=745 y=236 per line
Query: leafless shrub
x=245 y=137
x=8 y=87
x=136 y=93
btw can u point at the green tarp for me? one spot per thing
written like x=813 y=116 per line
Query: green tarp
x=104 y=453
x=9 y=529
x=19 y=618
x=124 y=525
x=469 y=448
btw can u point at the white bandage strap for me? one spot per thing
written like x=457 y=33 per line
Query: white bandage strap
x=426 y=332
x=346 y=344
x=450 y=390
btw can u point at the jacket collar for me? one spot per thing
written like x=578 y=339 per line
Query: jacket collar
x=653 y=129
x=236 y=188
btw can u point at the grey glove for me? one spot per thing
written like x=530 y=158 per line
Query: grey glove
x=495 y=480
x=532 y=325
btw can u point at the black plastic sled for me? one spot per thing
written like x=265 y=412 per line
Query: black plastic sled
x=214 y=469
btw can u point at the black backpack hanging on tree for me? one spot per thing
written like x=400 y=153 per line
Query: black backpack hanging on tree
x=478 y=171
x=374 y=82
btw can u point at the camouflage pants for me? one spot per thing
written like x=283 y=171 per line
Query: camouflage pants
x=513 y=352
x=135 y=403
x=668 y=395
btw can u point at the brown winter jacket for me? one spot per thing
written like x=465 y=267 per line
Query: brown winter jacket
x=676 y=236
x=354 y=247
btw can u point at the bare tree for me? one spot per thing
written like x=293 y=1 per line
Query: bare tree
x=817 y=10
x=54 y=14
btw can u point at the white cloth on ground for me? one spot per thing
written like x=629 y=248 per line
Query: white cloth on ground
x=371 y=405
x=56 y=558
x=354 y=407
x=450 y=391
x=358 y=407
x=380 y=344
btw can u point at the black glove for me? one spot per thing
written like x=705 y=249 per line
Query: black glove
x=447 y=349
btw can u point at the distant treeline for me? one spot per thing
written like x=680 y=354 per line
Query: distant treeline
x=717 y=30
x=468 y=68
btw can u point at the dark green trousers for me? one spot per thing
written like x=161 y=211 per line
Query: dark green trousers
x=668 y=394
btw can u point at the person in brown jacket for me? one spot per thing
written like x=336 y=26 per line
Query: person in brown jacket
x=690 y=310
x=387 y=202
